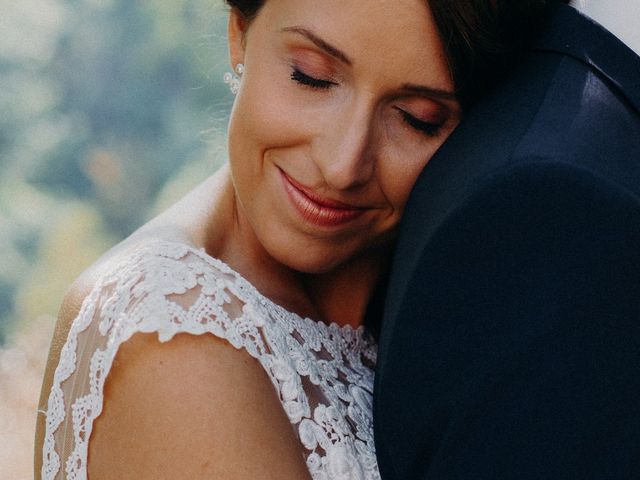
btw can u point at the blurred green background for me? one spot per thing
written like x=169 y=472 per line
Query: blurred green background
x=104 y=105
x=110 y=110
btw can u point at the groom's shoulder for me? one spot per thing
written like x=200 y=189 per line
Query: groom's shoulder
x=569 y=51
x=571 y=34
x=574 y=95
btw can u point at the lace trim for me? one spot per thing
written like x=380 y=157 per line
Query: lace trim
x=332 y=414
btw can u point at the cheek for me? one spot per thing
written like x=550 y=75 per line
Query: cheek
x=259 y=122
x=400 y=169
x=404 y=153
x=267 y=113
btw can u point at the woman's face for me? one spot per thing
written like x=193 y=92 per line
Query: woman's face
x=341 y=105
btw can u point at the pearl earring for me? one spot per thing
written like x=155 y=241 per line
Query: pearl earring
x=233 y=79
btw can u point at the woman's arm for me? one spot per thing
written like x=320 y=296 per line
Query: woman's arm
x=194 y=407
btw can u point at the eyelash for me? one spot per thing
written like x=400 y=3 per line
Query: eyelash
x=429 y=129
x=304 y=79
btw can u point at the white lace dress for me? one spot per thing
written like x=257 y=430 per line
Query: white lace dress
x=322 y=374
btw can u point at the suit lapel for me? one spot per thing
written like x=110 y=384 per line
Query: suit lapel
x=568 y=32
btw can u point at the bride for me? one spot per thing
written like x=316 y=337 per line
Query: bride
x=224 y=338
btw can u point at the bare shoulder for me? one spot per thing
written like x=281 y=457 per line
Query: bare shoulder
x=182 y=223
x=194 y=407
x=68 y=312
x=71 y=305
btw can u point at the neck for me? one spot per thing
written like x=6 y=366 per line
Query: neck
x=620 y=17
x=342 y=295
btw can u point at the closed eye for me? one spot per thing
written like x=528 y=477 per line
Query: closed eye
x=429 y=129
x=304 y=79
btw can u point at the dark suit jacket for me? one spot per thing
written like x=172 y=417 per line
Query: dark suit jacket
x=510 y=344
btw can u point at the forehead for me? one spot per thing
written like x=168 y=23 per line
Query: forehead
x=381 y=35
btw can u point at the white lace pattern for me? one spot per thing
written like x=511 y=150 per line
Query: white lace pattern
x=323 y=374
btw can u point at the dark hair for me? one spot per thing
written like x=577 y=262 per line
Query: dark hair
x=480 y=37
x=248 y=8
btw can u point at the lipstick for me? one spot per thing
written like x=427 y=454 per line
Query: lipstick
x=318 y=210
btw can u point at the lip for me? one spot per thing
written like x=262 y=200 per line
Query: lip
x=318 y=210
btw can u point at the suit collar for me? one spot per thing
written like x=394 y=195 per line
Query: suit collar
x=568 y=32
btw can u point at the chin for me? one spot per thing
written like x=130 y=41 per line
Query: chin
x=322 y=255
x=325 y=260
x=313 y=263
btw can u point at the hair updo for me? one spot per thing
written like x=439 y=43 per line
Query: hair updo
x=480 y=37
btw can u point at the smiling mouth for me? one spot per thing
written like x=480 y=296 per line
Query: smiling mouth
x=318 y=210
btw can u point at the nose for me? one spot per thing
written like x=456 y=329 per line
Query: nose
x=344 y=152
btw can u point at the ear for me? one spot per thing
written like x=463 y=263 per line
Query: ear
x=236 y=31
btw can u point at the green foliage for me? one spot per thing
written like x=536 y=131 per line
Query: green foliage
x=103 y=103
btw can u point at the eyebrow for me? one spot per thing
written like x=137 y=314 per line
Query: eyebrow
x=320 y=43
x=430 y=92
x=335 y=52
